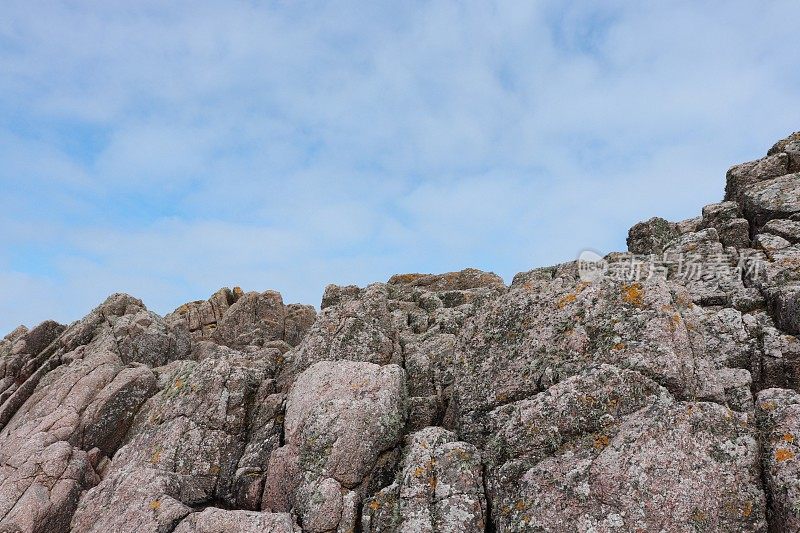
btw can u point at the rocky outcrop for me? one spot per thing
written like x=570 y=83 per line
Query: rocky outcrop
x=439 y=487
x=657 y=390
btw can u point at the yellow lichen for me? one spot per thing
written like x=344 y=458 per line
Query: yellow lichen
x=566 y=300
x=633 y=294
x=156 y=457
x=155 y=505
x=600 y=442
x=406 y=278
x=419 y=471
x=374 y=505
x=747 y=509
x=782 y=454
x=769 y=405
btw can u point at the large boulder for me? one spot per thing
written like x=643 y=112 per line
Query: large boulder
x=772 y=199
x=439 y=488
x=213 y=520
x=651 y=236
x=610 y=450
x=344 y=420
x=40 y=483
x=543 y=331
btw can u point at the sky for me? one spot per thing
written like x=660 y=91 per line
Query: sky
x=167 y=149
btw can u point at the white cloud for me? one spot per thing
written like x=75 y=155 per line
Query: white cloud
x=169 y=149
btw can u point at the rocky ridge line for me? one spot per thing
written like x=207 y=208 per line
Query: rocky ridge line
x=436 y=403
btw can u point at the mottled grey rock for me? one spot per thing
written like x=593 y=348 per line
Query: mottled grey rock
x=469 y=278
x=690 y=225
x=770 y=243
x=439 y=488
x=341 y=418
x=780 y=146
x=203 y=316
x=436 y=402
x=138 y=500
x=213 y=520
x=253 y=319
x=786 y=307
x=608 y=451
x=356 y=329
x=299 y=319
x=19 y=351
x=40 y=483
x=235 y=319
x=652 y=236
x=775 y=198
x=779 y=422
x=791 y=147
x=787 y=229
x=537 y=335
x=740 y=177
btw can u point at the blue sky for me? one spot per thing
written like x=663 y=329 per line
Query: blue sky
x=167 y=149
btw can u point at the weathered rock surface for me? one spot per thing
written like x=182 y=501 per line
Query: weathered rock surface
x=662 y=394
x=778 y=412
x=438 y=488
x=214 y=520
x=343 y=422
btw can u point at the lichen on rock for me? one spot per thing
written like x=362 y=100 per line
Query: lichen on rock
x=663 y=400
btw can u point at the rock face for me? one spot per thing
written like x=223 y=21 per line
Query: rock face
x=661 y=395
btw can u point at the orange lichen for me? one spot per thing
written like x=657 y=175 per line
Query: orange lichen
x=406 y=278
x=699 y=516
x=769 y=405
x=520 y=505
x=601 y=442
x=587 y=399
x=633 y=294
x=618 y=346
x=374 y=505
x=674 y=322
x=566 y=300
x=155 y=505
x=782 y=454
x=419 y=471
x=156 y=457
x=788 y=437
x=747 y=509
x=179 y=383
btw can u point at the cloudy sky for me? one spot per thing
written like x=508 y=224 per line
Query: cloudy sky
x=167 y=149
